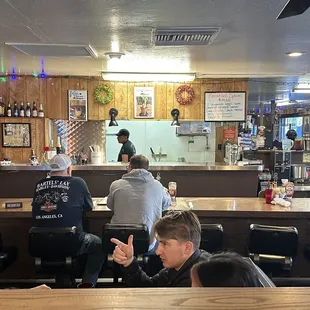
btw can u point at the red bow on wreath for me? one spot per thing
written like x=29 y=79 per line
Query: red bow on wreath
x=187 y=99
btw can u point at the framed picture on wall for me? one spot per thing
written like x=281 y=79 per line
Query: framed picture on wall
x=16 y=135
x=77 y=100
x=144 y=102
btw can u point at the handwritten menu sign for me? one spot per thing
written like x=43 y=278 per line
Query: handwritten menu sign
x=225 y=106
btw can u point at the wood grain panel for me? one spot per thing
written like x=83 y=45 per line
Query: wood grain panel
x=160 y=101
x=120 y=100
x=42 y=96
x=53 y=98
x=65 y=86
x=33 y=90
x=93 y=107
x=194 y=111
x=17 y=89
x=170 y=100
x=130 y=100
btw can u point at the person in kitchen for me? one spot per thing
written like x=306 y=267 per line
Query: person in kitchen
x=128 y=149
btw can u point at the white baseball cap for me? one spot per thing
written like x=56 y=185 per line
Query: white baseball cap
x=60 y=162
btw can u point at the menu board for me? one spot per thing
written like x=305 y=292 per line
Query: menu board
x=225 y=106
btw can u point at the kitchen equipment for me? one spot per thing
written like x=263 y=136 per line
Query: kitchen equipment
x=306 y=142
x=153 y=154
x=96 y=158
x=231 y=154
x=287 y=144
x=282 y=166
x=300 y=172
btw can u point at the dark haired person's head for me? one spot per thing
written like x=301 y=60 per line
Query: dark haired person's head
x=178 y=234
x=225 y=269
x=138 y=162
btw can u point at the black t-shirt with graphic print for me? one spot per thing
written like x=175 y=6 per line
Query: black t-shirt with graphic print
x=59 y=201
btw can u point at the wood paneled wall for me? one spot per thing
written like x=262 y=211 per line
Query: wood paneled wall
x=52 y=93
x=22 y=155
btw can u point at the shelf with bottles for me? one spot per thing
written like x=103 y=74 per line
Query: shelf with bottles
x=21 y=111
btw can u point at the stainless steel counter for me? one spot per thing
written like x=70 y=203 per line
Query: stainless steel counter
x=153 y=167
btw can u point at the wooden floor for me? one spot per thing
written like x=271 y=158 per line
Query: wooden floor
x=164 y=298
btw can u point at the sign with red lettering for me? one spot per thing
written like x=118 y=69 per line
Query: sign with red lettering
x=229 y=134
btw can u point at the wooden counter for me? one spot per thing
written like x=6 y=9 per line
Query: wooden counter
x=156 y=298
x=228 y=207
x=235 y=214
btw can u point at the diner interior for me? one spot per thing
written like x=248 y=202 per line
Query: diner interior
x=195 y=111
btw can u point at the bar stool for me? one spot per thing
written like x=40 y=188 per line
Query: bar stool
x=55 y=252
x=141 y=242
x=211 y=237
x=7 y=255
x=273 y=248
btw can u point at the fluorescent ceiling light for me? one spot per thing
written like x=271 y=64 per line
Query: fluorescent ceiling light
x=295 y=54
x=301 y=90
x=148 y=77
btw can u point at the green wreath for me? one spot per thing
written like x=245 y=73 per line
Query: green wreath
x=99 y=98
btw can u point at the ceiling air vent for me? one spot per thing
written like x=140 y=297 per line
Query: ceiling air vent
x=55 y=50
x=185 y=36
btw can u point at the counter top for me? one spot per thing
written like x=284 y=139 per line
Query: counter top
x=212 y=207
x=163 y=166
x=288 y=298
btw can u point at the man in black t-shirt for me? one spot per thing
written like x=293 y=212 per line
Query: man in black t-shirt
x=128 y=149
x=59 y=201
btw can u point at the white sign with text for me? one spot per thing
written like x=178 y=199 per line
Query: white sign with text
x=225 y=106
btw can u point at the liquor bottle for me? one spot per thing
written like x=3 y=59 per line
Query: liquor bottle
x=33 y=159
x=2 y=107
x=28 y=110
x=58 y=146
x=41 y=112
x=22 y=110
x=34 y=110
x=15 y=110
x=9 y=111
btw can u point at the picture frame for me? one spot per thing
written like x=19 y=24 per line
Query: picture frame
x=78 y=105
x=144 y=102
x=225 y=106
x=16 y=135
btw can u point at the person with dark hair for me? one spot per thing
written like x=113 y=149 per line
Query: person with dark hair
x=178 y=234
x=138 y=198
x=128 y=149
x=226 y=269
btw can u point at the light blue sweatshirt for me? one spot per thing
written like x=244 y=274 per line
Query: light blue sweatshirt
x=138 y=198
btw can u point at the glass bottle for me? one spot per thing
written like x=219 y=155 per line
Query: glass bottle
x=28 y=110
x=2 y=107
x=9 y=111
x=15 y=110
x=22 y=110
x=41 y=112
x=34 y=110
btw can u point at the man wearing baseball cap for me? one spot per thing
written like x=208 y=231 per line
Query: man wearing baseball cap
x=128 y=149
x=59 y=201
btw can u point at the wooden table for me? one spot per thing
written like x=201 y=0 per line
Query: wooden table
x=165 y=298
x=235 y=215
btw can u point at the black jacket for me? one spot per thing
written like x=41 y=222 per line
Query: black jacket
x=135 y=277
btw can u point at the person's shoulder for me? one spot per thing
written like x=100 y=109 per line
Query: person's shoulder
x=77 y=181
x=118 y=183
x=204 y=255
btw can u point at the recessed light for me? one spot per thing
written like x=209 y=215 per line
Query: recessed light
x=295 y=54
